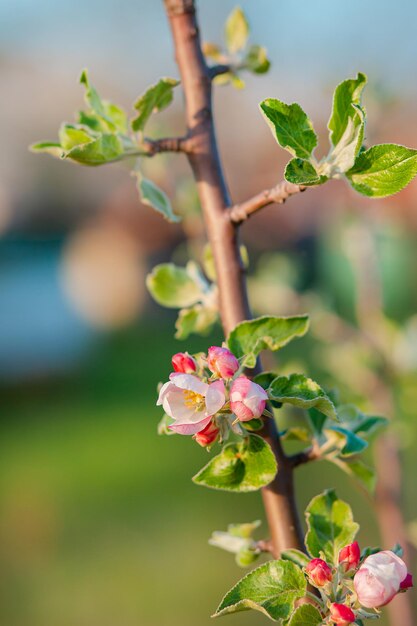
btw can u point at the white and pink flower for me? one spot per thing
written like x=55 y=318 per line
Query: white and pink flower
x=190 y=402
x=247 y=399
x=380 y=578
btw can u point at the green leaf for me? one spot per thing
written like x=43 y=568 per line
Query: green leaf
x=48 y=147
x=153 y=196
x=155 y=98
x=257 y=60
x=358 y=470
x=348 y=93
x=302 y=172
x=296 y=433
x=244 y=530
x=247 y=339
x=343 y=155
x=172 y=286
x=236 y=30
x=306 y=615
x=113 y=117
x=291 y=127
x=271 y=589
x=198 y=320
x=71 y=136
x=383 y=170
x=348 y=442
x=330 y=526
x=296 y=556
x=317 y=420
x=244 y=466
x=253 y=425
x=105 y=149
x=302 y=392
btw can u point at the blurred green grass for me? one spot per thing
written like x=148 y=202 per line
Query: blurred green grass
x=100 y=522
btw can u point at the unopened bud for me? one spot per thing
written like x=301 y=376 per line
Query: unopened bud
x=319 y=572
x=350 y=556
x=222 y=362
x=183 y=363
x=341 y=614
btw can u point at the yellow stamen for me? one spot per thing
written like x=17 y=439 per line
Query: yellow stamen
x=193 y=400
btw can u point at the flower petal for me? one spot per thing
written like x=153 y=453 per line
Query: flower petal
x=189 y=382
x=215 y=397
x=190 y=429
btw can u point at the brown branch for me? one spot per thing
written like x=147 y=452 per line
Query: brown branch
x=305 y=456
x=166 y=144
x=278 y=195
x=278 y=497
x=217 y=70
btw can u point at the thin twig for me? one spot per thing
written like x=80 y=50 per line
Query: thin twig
x=217 y=70
x=278 y=195
x=305 y=456
x=166 y=144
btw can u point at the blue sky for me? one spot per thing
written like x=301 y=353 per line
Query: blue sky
x=307 y=39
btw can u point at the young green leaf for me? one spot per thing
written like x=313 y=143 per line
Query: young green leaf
x=348 y=93
x=330 y=526
x=343 y=155
x=48 y=147
x=306 y=615
x=247 y=339
x=365 y=475
x=94 y=101
x=272 y=589
x=71 y=136
x=236 y=30
x=296 y=556
x=302 y=172
x=347 y=441
x=105 y=149
x=302 y=392
x=155 y=98
x=198 y=319
x=172 y=286
x=244 y=466
x=291 y=127
x=256 y=60
x=383 y=170
x=155 y=197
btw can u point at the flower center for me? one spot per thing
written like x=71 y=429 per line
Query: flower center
x=193 y=400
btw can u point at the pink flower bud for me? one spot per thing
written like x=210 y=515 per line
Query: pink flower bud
x=341 y=614
x=183 y=363
x=319 y=572
x=208 y=435
x=407 y=582
x=379 y=579
x=247 y=399
x=222 y=362
x=349 y=556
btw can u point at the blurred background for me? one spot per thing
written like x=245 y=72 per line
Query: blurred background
x=100 y=524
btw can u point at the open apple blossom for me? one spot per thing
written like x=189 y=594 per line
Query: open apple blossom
x=200 y=389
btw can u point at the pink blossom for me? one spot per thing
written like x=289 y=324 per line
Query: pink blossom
x=208 y=435
x=349 y=556
x=222 y=362
x=247 y=399
x=183 y=363
x=191 y=402
x=341 y=614
x=319 y=572
x=379 y=579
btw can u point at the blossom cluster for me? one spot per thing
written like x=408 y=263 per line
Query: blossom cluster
x=357 y=584
x=208 y=395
